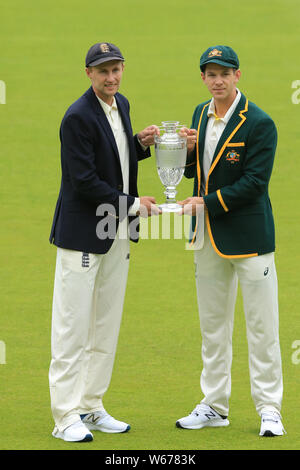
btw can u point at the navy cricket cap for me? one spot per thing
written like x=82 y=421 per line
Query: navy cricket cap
x=102 y=52
x=222 y=55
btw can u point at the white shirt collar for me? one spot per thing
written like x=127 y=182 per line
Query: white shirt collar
x=106 y=107
x=225 y=119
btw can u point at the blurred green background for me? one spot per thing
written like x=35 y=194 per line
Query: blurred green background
x=158 y=363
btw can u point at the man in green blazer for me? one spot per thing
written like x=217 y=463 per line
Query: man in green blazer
x=231 y=149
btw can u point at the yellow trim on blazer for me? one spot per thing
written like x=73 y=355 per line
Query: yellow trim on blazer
x=197 y=149
x=222 y=201
x=198 y=168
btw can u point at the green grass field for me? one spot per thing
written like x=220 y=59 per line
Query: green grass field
x=158 y=363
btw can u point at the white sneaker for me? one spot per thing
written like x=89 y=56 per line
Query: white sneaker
x=271 y=424
x=77 y=432
x=102 y=421
x=202 y=416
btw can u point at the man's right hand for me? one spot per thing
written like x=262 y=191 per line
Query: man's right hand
x=191 y=136
x=148 y=207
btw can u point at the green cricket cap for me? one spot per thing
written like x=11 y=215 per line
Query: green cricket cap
x=222 y=55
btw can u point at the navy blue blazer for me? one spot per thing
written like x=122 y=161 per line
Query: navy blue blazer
x=91 y=174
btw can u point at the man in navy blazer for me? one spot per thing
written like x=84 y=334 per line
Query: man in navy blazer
x=96 y=214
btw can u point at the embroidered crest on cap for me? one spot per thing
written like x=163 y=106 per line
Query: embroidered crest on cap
x=215 y=53
x=104 y=47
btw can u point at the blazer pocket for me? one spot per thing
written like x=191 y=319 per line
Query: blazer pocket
x=234 y=153
x=236 y=144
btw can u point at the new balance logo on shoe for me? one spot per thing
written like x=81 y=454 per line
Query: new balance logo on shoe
x=210 y=415
x=93 y=418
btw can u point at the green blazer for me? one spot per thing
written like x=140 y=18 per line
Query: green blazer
x=239 y=215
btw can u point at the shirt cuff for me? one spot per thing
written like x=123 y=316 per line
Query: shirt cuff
x=143 y=146
x=135 y=207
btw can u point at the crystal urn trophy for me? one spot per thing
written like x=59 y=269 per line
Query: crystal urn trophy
x=170 y=152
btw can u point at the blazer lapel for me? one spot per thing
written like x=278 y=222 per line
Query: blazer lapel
x=200 y=143
x=235 y=122
x=124 y=114
x=128 y=131
x=125 y=119
x=201 y=132
x=232 y=126
x=102 y=119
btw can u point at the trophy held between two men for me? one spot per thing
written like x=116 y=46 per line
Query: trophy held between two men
x=171 y=152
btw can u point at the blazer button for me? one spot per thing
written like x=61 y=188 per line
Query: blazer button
x=120 y=187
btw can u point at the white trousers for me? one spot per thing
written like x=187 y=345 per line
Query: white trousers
x=217 y=281
x=89 y=291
